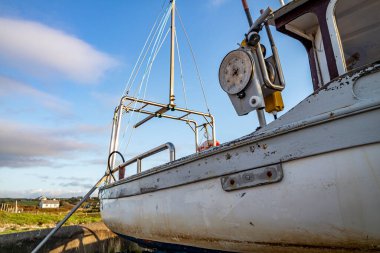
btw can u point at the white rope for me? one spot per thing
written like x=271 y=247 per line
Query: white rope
x=154 y=49
x=129 y=84
x=195 y=62
x=153 y=44
x=146 y=85
x=145 y=79
x=181 y=72
x=155 y=34
x=158 y=34
x=153 y=59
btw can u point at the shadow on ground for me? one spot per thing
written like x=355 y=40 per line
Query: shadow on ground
x=90 y=238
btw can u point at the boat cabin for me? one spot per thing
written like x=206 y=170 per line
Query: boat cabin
x=339 y=35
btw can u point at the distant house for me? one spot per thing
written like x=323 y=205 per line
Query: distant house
x=49 y=203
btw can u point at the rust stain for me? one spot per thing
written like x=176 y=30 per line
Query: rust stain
x=269 y=153
x=287 y=242
x=257 y=146
x=328 y=248
x=261 y=246
x=352 y=76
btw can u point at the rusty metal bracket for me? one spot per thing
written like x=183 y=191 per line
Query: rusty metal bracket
x=253 y=177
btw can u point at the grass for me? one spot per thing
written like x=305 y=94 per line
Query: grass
x=18 y=222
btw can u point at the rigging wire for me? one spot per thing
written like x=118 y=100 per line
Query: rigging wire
x=194 y=59
x=153 y=59
x=158 y=35
x=181 y=73
x=182 y=80
x=129 y=83
x=145 y=79
x=154 y=43
x=146 y=52
x=154 y=48
x=135 y=72
x=146 y=85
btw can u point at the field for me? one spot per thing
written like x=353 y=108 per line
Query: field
x=31 y=217
x=17 y=222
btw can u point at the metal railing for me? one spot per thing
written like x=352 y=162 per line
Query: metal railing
x=138 y=159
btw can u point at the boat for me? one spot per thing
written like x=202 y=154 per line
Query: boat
x=309 y=181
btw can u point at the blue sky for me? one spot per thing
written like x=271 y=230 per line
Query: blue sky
x=64 y=66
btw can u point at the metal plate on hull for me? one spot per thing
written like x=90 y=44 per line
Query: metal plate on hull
x=251 y=178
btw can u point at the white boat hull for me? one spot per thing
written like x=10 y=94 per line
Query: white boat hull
x=329 y=201
x=324 y=197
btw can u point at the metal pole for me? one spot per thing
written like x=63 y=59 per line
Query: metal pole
x=213 y=131
x=275 y=53
x=264 y=72
x=39 y=246
x=171 y=148
x=138 y=165
x=172 y=45
x=112 y=141
x=247 y=12
x=282 y=2
x=196 y=138
x=261 y=117
x=268 y=11
x=116 y=137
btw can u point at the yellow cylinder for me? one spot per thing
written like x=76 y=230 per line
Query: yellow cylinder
x=273 y=102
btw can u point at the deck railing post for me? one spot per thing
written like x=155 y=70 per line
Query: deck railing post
x=138 y=165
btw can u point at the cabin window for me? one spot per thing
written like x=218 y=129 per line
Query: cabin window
x=358 y=24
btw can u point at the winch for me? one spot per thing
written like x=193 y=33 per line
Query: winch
x=252 y=81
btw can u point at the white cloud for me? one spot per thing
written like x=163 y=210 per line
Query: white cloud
x=28 y=140
x=18 y=90
x=27 y=145
x=39 y=49
x=50 y=193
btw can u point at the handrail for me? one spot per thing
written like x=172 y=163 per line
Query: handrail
x=151 y=152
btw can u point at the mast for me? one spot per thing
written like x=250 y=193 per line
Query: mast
x=172 y=46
